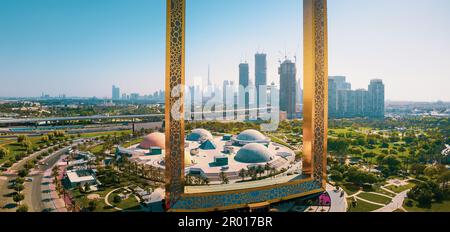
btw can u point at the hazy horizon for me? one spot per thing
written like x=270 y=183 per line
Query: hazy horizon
x=83 y=47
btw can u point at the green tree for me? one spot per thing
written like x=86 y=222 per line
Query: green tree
x=4 y=152
x=224 y=178
x=336 y=175
x=18 y=197
x=92 y=205
x=392 y=163
x=117 y=199
x=242 y=174
x=19 y=187
x=23 y=172
x=22 y=209
x=22 y=138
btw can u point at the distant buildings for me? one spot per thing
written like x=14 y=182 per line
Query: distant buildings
x=376 y=98
x=288 y=72
x=115 y=93
x=261 y=78
x=346 y=103
x=244 y=82
x=156 y=96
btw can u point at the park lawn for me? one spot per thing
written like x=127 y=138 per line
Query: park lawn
x=279 y=141
x=96 y=149
x=130 y=203
x=341 y=130
x=435 y=207
x=380 y=190
x=132 y=142
x=401 y=188
x=16 y=148
x=97 y=134
x=363 y=207
x=81 y=199
x=6 y=141
x=375 y=198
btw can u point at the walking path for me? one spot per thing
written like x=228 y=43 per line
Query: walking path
x=50 y=197
x=387 y=190
x=396 y=203
x=107 y=201
x=338 y=203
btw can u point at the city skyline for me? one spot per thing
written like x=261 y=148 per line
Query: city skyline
x=77 y=52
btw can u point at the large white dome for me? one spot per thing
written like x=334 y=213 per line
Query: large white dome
x=251 y=135
x=199 y=135
x=253 y=153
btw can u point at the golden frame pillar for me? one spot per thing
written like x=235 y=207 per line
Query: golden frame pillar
x=315 y=105
x=174 y=109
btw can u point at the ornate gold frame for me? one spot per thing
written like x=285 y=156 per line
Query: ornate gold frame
x=315 y=123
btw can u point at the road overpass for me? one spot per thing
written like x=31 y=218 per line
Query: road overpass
x=78 y=118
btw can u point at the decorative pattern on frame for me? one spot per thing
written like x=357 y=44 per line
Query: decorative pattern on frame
x=174 y=121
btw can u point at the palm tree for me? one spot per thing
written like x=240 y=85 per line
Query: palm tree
x=260 y=170
x=242 y=174
x=205 y=181
x=224 y=178
x=267 y=167
x=55 y=171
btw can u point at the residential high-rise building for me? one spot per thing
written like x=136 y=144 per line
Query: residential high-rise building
x=346 y=103
x=376 y=98
x=361 y=103
x=115 y=93
x=261 y=78
x=244 y=81
x=341 y=83
x=332 y=98
x=287 y=72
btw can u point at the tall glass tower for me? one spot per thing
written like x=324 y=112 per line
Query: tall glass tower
x=287 y=73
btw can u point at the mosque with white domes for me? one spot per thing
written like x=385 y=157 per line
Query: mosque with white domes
x=208 y=156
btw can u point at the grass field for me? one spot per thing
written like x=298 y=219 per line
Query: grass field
x=379 y=190
x=401 y=188
x=363 y=207
x=97 y=134
x=132 y=142
x=16 y=148
x=375 y=198
x=128 y=204
x=435 y=207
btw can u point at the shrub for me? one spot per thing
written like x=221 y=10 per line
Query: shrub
x=117 y=199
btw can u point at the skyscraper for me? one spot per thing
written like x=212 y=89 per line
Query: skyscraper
x=244 y=81
x=115 y=93
x=287 y=73
x=228 y=98
x=260 y=78
x=376 y=98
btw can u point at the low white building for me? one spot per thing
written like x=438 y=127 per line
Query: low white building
x=78 y=178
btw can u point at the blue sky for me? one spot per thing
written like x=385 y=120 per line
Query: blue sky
x=82 y=47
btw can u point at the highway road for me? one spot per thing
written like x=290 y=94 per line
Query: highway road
x=79 y=118
x=33 y=190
